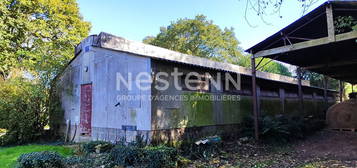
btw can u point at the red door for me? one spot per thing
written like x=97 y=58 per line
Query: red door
x=86 y=109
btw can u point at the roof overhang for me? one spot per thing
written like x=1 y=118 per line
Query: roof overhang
x=311 y=43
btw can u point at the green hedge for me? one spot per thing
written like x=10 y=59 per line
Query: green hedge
x=41 y=160
x=151 y=157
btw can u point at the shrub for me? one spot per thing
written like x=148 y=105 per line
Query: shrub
x=160 y=156
x=279 y=129
x=139 y=142
x=282 y=128
x=126 y=155
x=41 y=160
x=152 y=157
x=100 y=160
x=97 y=146
x=23 y=111
x=201 y=151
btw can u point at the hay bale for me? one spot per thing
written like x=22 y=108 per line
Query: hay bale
x=342 y=115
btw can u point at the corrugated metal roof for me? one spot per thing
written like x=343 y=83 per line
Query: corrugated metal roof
x=108 y=41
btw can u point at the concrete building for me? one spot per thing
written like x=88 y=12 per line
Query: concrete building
x=97 y=107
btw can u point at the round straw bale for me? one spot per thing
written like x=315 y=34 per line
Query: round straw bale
x=342 y=115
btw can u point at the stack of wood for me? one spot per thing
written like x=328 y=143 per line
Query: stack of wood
x=343 y=115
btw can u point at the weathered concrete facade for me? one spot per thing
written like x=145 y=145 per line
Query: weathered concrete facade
x=98 y=114
x=109 y=121
x=194 y=118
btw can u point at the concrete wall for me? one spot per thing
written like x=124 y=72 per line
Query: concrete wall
x=174 y=120
x=69 y=83
x=192 y=113
x=157 y=120
x=113 y=118
x=125 y=118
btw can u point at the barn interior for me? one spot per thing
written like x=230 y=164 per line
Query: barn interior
x=318 y=42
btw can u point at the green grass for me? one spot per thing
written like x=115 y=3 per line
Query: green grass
x=9 y=155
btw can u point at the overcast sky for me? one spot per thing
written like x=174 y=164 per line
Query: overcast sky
x=135 y=19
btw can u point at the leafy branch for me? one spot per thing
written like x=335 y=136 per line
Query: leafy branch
x=263 y=8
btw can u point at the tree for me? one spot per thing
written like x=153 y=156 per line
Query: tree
x=266 y=65
x=39 y=35
x=37 y=39
x=271 y=7
x=317 y=80
x=200 y=37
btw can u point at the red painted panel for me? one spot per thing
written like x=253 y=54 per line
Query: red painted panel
x=86 y=109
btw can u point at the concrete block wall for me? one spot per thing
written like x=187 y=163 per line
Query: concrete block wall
x=186 y=119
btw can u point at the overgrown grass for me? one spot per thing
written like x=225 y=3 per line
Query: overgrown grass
x=9 y=155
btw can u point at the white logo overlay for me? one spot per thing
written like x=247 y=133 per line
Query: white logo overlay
x=169 y=84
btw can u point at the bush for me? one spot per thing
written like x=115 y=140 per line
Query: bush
x=152 y=157
x=40 y=160
x=97 y=146
x=281 y=128
x=100 y=160
x=126 y=155
x=202 y=151
x=23 y=111
x=160 y=156
x=139 y=142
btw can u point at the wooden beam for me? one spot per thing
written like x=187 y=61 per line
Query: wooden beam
x=300 y=92
x=282 y=99
x=334 y=64
x=341 y=85
x=349 y=75
x=305 y=44
x=255 y=99
x=325 y=91
x=346 y=77
x=330 y=23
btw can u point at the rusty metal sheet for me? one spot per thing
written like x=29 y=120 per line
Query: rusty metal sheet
x=86 y=109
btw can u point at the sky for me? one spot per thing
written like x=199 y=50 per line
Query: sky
x=136 y=19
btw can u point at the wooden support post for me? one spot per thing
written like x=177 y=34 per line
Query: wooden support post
x=255 y=99
x=314 y=98
x=325 y=90
x=341 y=85
x=330 y=23
x=300 y=92
x=282 y=99
x=258 y=100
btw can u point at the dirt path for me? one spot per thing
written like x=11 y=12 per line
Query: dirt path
x=325 y=149
x=330 y=144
